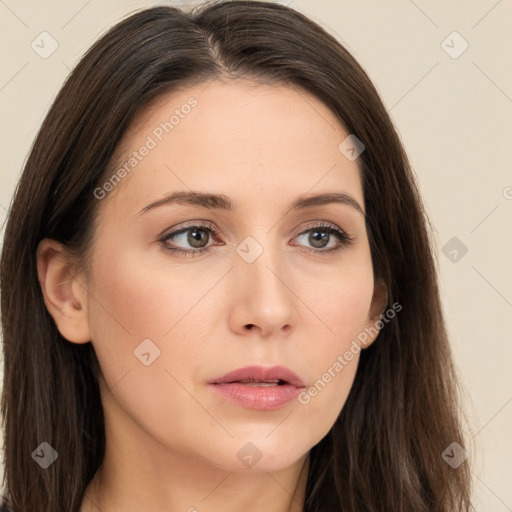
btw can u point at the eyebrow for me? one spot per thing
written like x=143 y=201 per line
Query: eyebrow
x=223 y=202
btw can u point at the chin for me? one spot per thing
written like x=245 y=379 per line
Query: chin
x=261 y=455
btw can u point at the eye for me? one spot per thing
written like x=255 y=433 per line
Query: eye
x=197 y=237
x=320 y=235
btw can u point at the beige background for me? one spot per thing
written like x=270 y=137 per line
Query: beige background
x=454 y=117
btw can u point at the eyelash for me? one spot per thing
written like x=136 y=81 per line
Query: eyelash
x=344 y=238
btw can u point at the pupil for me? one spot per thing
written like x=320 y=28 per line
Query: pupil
x=323 y=237
x=196 y=236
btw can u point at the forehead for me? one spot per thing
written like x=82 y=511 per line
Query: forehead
x=247 y=140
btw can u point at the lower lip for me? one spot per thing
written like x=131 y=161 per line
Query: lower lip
x=263 y=398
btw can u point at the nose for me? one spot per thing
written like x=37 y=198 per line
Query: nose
x=263 y=298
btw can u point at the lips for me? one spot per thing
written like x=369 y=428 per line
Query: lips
x=261 y=374
x=258 y=387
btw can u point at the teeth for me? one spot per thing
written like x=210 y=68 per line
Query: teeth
x=260 y=384
x=251 y=380
x=267 y=383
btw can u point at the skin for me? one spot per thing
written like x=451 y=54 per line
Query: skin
x=172 y=442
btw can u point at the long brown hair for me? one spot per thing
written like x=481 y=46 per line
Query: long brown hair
x=384 y=452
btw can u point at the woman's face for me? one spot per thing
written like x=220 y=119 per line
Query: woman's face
x=260 y=284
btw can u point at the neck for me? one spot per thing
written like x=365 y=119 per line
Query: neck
x=193 y=486
x=140 y=473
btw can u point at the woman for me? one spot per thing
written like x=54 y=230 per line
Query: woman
x=218 y=288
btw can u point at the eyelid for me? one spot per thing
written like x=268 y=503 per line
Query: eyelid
x=217 y=231
x=189 y=225
x=317 y=224
x=344 y=238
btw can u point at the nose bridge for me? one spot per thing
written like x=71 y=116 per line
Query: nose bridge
x=264 y=296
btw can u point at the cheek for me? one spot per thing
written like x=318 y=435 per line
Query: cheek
x=139 y=296
x=324 y=397
x=137 y=315
x=333 y=354
x=333 y=362
x=340 y=302
x=135 y=310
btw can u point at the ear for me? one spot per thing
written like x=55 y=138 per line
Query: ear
x=64 y=297
x=377 y=307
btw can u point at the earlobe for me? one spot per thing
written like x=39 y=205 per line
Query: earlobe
x=64 y=297
x=379 y=300
x=377 y=308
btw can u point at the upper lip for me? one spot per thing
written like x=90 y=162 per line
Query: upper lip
x=261 y=374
